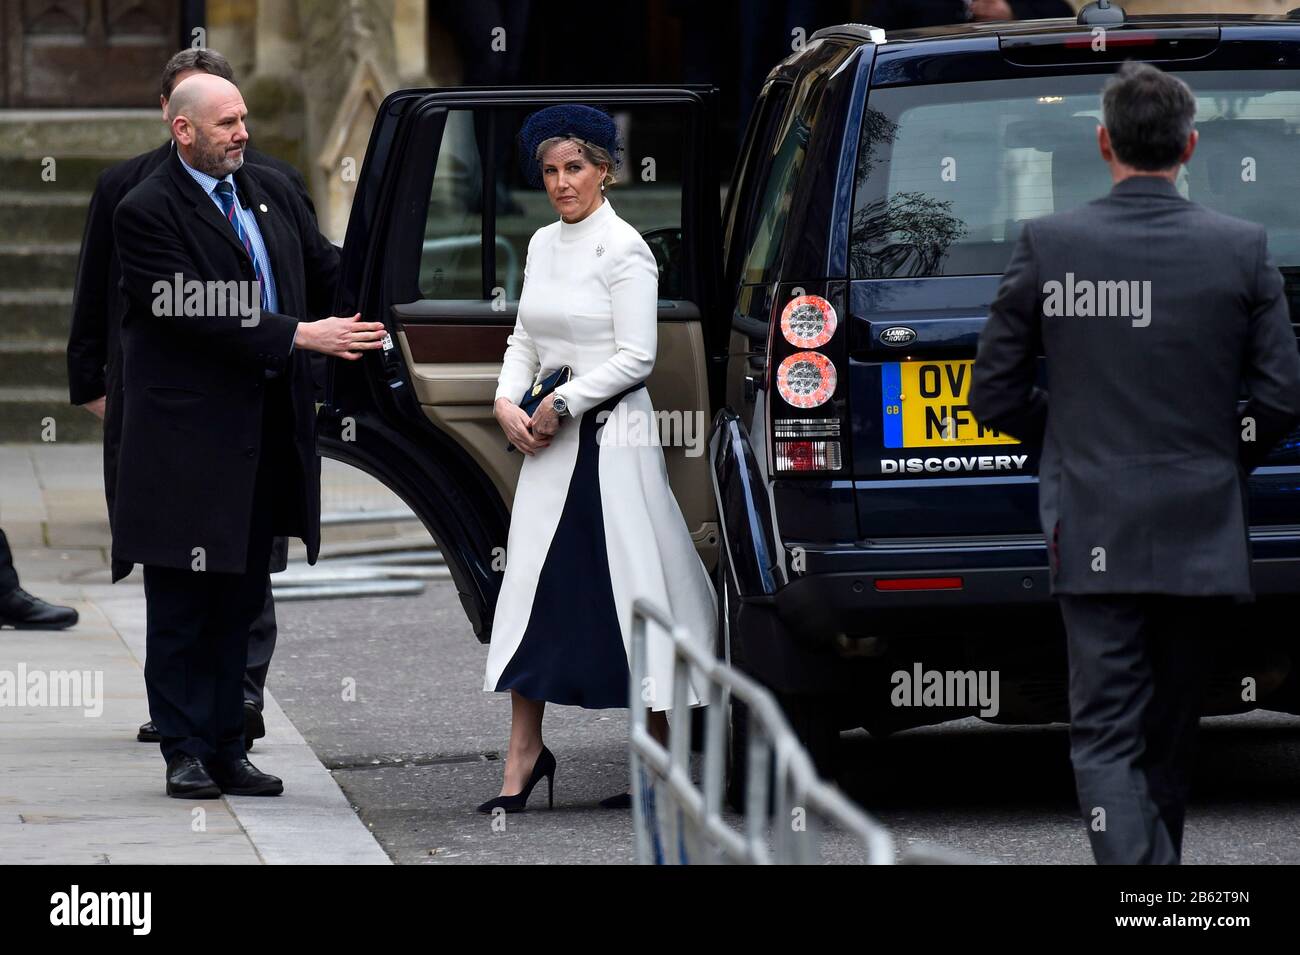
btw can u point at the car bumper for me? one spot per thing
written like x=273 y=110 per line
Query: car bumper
x=811 y=634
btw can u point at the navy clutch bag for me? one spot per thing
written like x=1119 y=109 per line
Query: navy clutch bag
x=535 y=395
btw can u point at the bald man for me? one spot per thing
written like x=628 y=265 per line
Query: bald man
x=222 y=265
x=95 y=356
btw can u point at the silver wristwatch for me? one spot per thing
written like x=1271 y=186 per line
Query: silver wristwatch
x=560 y=405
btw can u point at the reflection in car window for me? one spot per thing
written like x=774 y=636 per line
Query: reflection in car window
x=948 y=174
x=451 y=260
x=784 y=162
x=648 y=196
x=754 y=166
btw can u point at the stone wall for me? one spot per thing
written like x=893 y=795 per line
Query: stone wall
x=313 y=73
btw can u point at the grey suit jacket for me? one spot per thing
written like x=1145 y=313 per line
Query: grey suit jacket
x=1154 y=314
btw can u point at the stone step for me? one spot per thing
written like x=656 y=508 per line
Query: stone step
x=81 y=142
x=71 y=174
x=25 y=412
x=38 y=363
x=48 y=265
x=36 y=315
x=38 y=216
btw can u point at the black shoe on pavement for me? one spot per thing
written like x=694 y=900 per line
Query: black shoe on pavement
x=22 y=611
x=254 y=725
x=619 y=801
x=239 y=777
x=188 y=779
x=148 y=733
x=543 y=768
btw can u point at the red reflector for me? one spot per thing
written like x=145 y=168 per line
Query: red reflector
x=801 y=455
x=807 y=455
x=919 y=583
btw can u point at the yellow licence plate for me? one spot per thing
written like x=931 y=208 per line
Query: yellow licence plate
x=926 y=405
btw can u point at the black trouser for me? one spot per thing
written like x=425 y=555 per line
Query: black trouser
x=195 y=654
x=8 y=576
x=199 y=624
x=261 y=645
x=1138 y=665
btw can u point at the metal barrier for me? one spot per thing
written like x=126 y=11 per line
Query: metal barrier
x=678 y=822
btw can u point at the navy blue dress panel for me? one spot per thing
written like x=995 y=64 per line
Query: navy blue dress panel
x=572 y=650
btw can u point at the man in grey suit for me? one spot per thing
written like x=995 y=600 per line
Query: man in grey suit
x=1154 y=314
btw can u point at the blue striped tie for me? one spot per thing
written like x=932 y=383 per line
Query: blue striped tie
x=225 y=193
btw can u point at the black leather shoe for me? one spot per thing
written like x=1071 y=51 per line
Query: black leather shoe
x=254 y=725
x=148 y=733
x=188 y=779
x=239 y=777
x=22 y=611
x=620 y=801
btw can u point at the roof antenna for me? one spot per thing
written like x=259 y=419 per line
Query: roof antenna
x=1101 y=13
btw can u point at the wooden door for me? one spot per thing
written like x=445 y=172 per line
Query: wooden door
x=85 y=53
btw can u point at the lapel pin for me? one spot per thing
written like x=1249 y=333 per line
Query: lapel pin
x=262 y=207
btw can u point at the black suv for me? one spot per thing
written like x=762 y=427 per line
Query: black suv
x=819 y=331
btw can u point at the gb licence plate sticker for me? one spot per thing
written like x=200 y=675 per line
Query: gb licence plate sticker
x=925 y=404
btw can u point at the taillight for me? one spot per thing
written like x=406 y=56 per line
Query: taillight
x=805 y=428
x=806 y=381
x=808 y=321
x=807 y=455
x=1109 y=44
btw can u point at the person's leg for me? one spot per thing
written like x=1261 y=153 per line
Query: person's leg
x=525 y=742
x=178 y=658
x=261 y=646
x=1182 y=651
x=241 y=604
x=657 y=725
x=250 y=592
x=246 y=599
x=1110 y=690
x=8 y=576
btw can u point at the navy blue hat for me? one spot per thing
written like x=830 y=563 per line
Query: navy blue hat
x=569 y=120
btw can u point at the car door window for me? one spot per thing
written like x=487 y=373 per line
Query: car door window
x=754 y=172
x=783 y=159
x=451 y=259
x=478 y=169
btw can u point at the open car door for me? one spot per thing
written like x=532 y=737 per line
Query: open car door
x=435 y=249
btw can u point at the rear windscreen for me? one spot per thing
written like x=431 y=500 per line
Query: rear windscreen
x=947 y=174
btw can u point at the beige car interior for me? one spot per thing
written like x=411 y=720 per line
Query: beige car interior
x=457 y=397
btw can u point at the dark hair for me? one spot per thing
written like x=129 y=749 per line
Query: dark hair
x=203 y=60
x=1149 y=115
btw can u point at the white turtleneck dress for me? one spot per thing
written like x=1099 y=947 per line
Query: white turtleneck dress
x=594 y=523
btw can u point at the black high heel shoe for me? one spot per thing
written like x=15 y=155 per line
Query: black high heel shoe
x=545 y=766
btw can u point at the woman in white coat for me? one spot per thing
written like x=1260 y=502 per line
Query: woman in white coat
x=594 y=523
